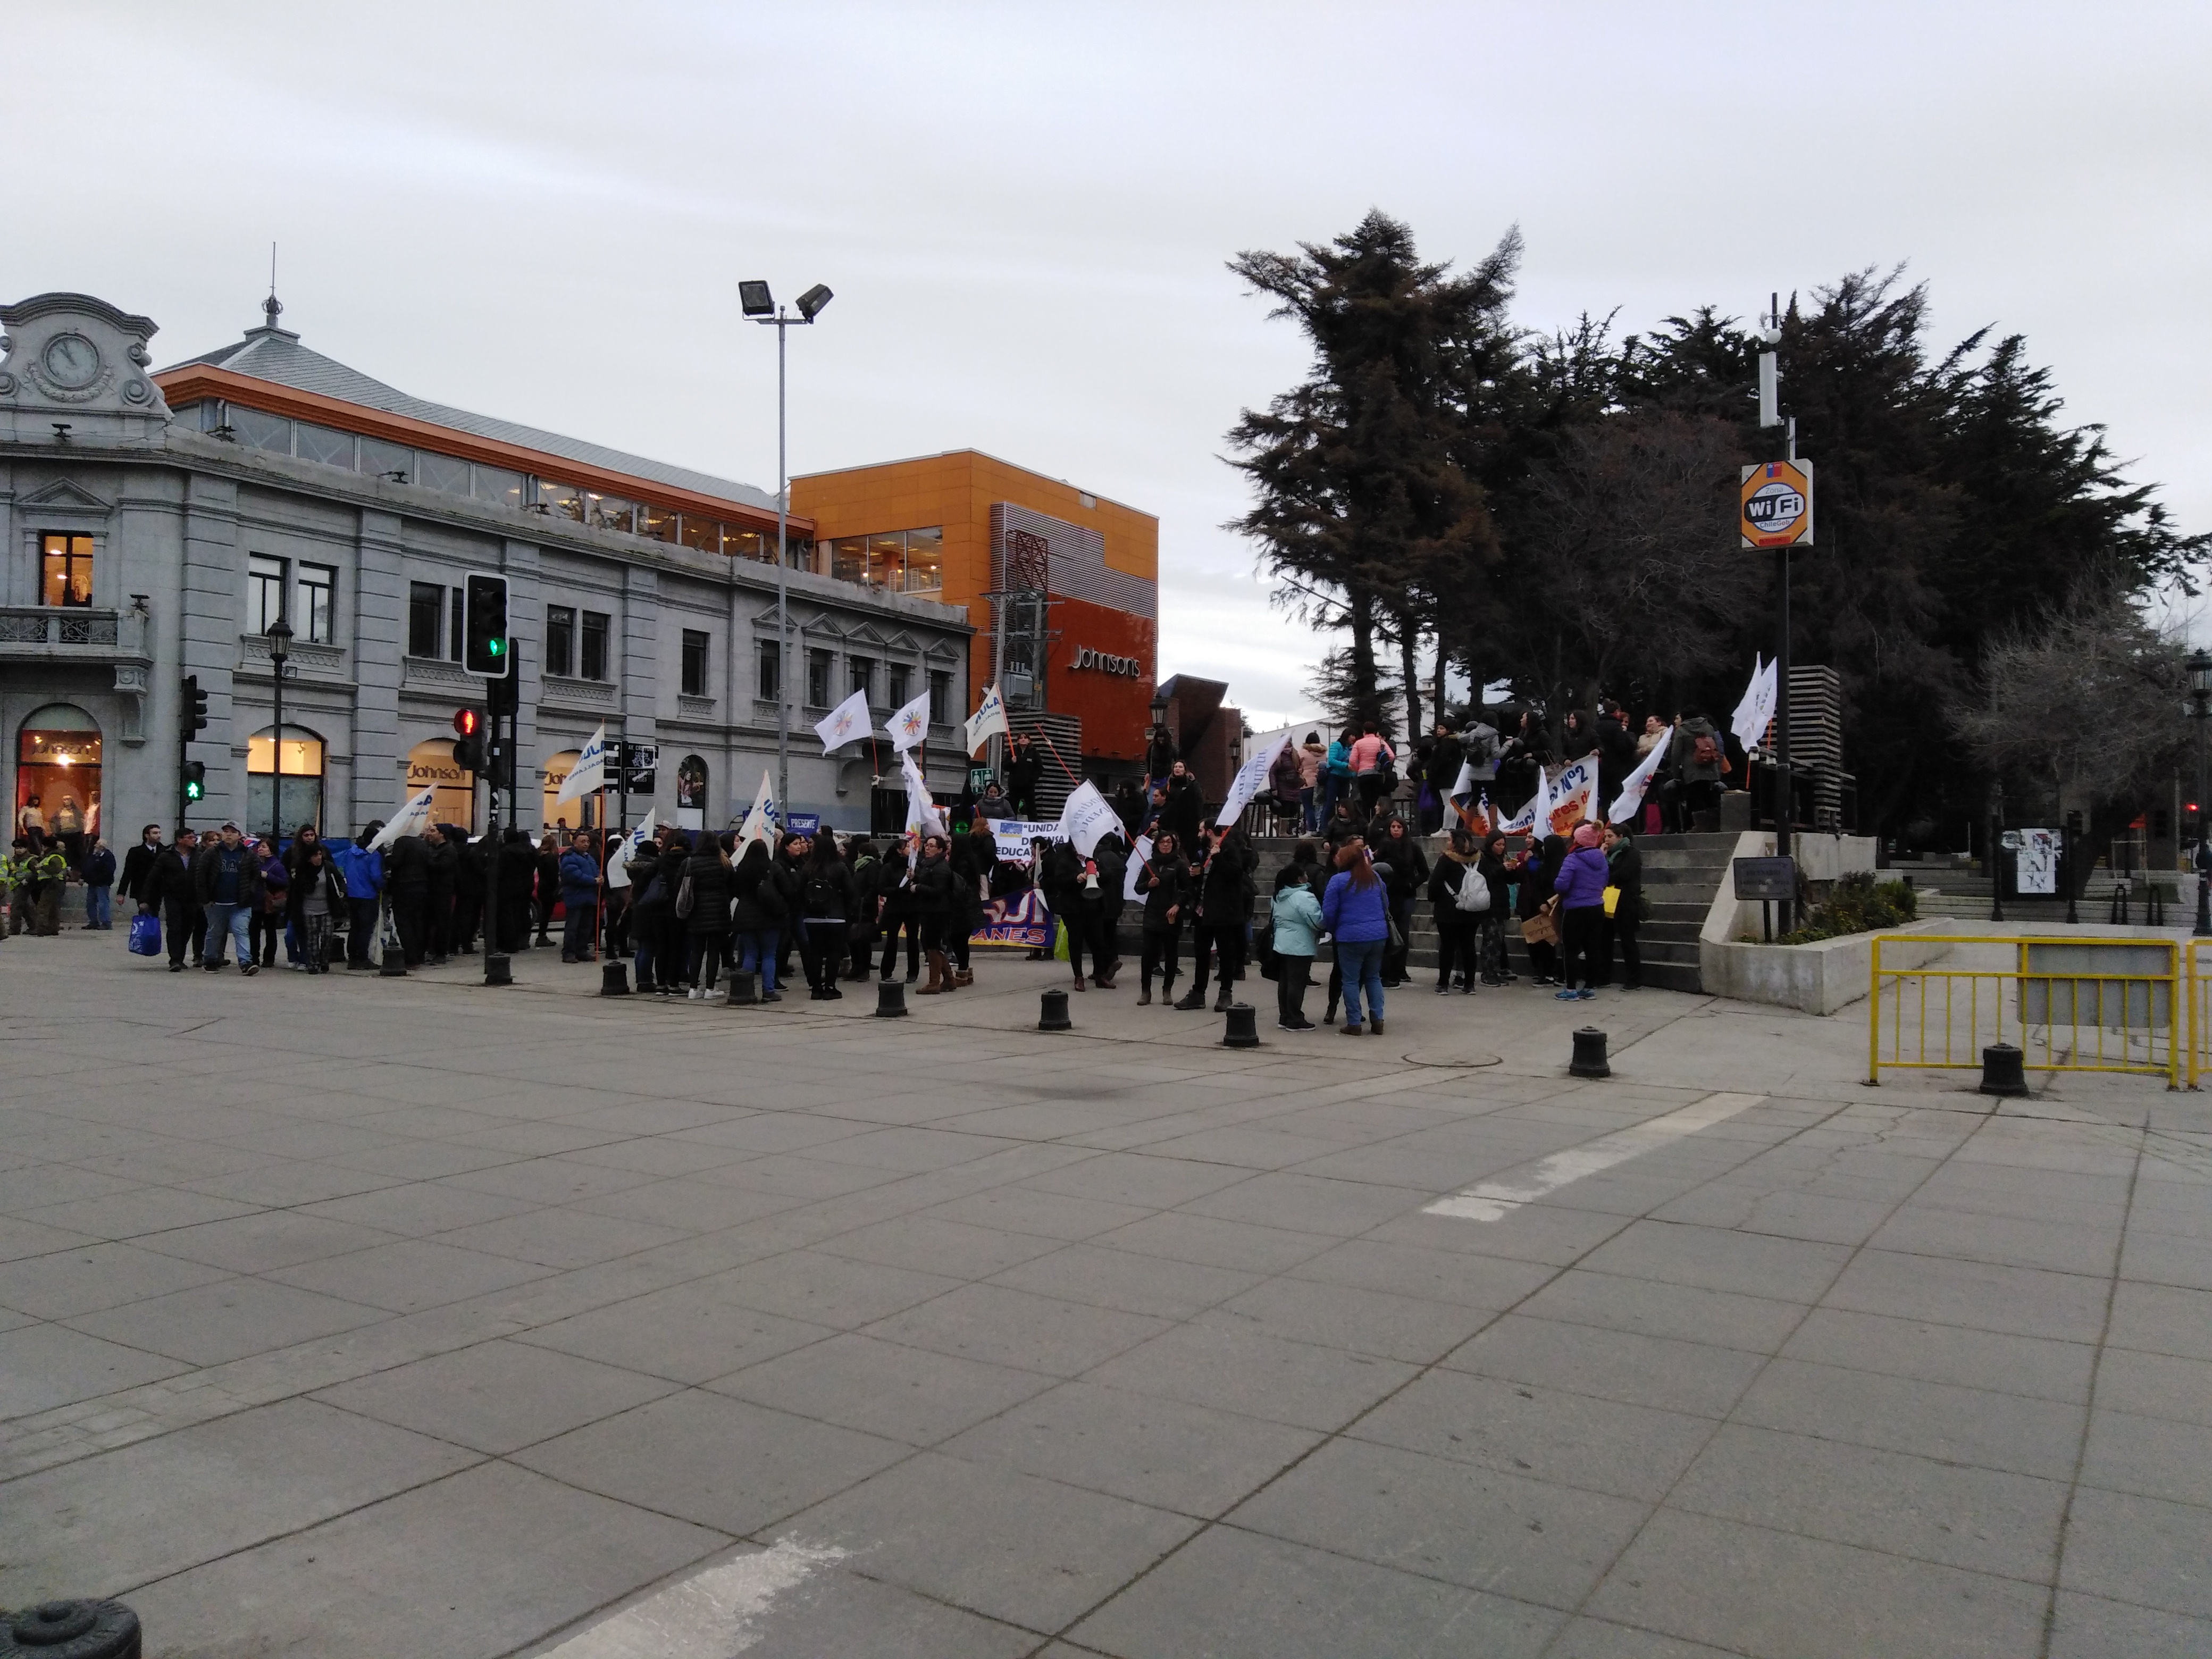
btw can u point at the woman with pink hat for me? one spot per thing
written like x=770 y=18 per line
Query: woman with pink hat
x=1581 y=885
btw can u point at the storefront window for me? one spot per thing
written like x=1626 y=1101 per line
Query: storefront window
x=58 y=777
x=65 y=575
x=430 y=765
x=297 y=795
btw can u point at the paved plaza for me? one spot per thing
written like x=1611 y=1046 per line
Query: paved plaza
x=352 y=1316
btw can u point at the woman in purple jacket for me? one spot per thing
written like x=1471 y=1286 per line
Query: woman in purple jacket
x=1581 y=883
x=1354 y=908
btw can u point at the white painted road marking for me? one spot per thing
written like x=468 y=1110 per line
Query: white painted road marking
x=706 y=1616
x=1494 y=1200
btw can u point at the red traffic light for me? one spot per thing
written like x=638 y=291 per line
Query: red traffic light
x=468 y=721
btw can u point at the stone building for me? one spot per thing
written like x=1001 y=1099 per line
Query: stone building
x=156 y=524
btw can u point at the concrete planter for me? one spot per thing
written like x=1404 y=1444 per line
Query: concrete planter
x=1819 y=978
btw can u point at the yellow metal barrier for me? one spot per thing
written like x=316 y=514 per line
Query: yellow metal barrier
x=2200 y=1009
x=2078 y=1004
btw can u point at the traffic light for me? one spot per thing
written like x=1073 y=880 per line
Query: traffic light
x=469 y=745
x=193 y=716
x=483 y=639
x=195 y=781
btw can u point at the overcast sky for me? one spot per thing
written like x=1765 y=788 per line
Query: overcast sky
x=541 y=211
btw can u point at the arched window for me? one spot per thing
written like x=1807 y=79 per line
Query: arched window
x=691 y=793
x=58 y=767
x=284 y=804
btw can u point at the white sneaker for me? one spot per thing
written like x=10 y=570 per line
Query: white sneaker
x=695 y=995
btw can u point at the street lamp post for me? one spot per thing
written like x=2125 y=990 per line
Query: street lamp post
x=279 y=635
x=756 y=303
x=2200 y=710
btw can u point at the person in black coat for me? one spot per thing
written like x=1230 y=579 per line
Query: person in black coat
x=171 y=891
x=707 y=923
x=442 y=862
x=1535 y=869
x=649 y=898
x=1403 y=883
x=897 y=911
x=1490 y=930
x=1060 y=871
x=829 y=899
x=546 y=867
x=1024 y=772
x=136 y=881
x=518 y=887
x=1458 y=928
x=1622 y=926
x=1225 y=892
x=936 y=901
x=1169 y=888
x=468 y=888
x=1185 y=805
x=783 y=868
x=974 y=859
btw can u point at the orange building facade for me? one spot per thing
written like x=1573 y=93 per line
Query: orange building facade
x=962 y=526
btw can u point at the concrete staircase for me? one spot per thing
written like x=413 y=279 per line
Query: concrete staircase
x=1682 y=874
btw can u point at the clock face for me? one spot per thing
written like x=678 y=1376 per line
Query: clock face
x=72 y=360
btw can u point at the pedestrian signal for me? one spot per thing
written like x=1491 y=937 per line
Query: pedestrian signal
x=195 y=781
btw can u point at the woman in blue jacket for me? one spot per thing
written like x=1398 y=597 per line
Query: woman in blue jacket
x=1355 y=910
x=1581 y=884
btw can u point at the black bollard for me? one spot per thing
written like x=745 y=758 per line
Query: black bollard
x=614 y=977
x=1052 y=1013
x=2002 y=1070
x=744 y=987
x=891 y=999
x=71 y=1630
x=1242 y=1030
x=1589 y=1054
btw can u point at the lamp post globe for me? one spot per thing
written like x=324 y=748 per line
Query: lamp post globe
x=279 y=635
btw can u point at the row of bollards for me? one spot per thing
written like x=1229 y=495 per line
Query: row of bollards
x=71 y=1630
x=1241 y=1031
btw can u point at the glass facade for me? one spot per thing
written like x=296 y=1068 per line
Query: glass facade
x=896 y=561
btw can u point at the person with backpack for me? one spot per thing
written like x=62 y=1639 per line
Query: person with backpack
x=703 y=900
x=829 y=899
x=1459 y=894
x=1374 y=764
x=1335 y=775
x=1296 y=919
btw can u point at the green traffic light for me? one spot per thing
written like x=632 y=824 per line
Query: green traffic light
x=497 y=647
x=194 y=791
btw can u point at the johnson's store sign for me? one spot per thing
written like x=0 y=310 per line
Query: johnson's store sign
x=1127 y=668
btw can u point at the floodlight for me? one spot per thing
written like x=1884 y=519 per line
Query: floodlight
x=812 y=301
x=754 y=297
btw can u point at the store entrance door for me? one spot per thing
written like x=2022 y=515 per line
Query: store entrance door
x=57 y=778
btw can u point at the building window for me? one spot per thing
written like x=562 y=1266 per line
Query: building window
x=561 y=500
x=259 y=431
x=284 y=781
x=65 y=575
x=264 y=592
x=817 y=679
x=593 y=666
x=771 y=672
x=394 y=462
x=896 y=561
x=316 y=585
x=610 y=512
x=442 y=473
x=498 y=486
x=325 y=444
x=458 y=616
x=694 y=663
x=940 y=697
x=658 y=523
x=925 y=560
x=560 y=640
x=746 y=544
x=862 y=673
x=848 y=558
x=426 y=617
x=704 y=534
x=901 y=686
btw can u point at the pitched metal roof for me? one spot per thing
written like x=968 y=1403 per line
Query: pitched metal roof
x=276 y=355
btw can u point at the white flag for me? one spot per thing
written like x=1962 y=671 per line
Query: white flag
x=1464 y=785
x=848 y=721
x=1633 y=786
x=1574 y=791
x=590 y=772
x=988 y=721
x=1088 y=817
x=1138 y=860
x=1535 y=811
x=618 y=860
x=1756 y=711
x=1251 y=778
x=922 y=811
x=760 y=822
x=410 y=820
x=910 y=725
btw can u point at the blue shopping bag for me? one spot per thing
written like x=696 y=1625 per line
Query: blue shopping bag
x=145 y=934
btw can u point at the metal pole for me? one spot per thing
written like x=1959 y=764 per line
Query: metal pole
x=1784 y=802
x=2203 y=878
x=1996 y=852
x=276 y=757
x=782 y=586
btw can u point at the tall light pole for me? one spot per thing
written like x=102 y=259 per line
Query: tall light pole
x=755 y=298
x=2200 y=710
x=279 y=635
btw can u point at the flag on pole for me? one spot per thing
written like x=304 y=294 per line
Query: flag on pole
x=1475 y=818
x=922 y=811
x=910 y=725
x=848 y=721
x=618 y=860
x=1251 y=778
x=1633 y=786
x=589 y=775
x=1574 y=795
x=412 y=819
x=1130 y=892
x=1087 y=817
x=1756 y=711
x=988 y=721
x=760 y=822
